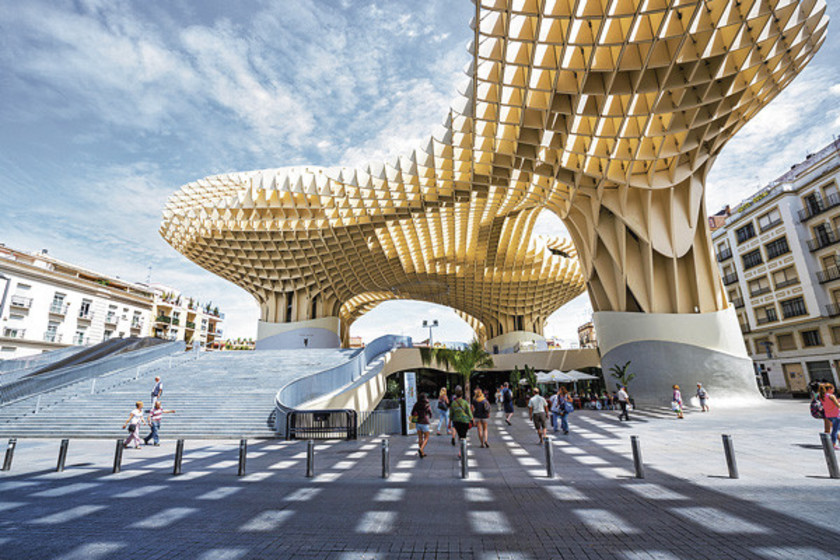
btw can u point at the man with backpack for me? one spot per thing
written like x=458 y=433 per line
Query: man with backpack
x=507 y=402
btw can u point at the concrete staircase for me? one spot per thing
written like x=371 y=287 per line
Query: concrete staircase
x=215 y=394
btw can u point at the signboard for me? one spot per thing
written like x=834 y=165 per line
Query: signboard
x=410 y=391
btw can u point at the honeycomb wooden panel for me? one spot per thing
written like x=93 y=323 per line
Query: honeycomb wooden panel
x=609 y=113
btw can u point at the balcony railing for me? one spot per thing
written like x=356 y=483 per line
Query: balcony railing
x=766 y=319
x=786 y=283
x=59 y=308
x=818 y=206
x=50 y=336
x=760 y=291
x=14 y=333
x=737 y=302
x=725 y=254
x=21 y=302
x=745 y=327
x=730 y=279
x=136 y=325
x=190 y=325
x=163 y=319
x=111 y=319
x=85 y=315
x=828 y=274
x=832 y=309
x=176 y=321
x=824 y=239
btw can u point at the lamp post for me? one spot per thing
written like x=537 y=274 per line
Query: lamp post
x=430 y=325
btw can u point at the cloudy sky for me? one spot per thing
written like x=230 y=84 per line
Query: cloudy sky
x=107 y=107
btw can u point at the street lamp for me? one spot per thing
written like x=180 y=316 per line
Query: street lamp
x=430 y=325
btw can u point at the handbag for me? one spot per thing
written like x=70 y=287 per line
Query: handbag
x=568 y=407
x=413 y=418
x=132 y=428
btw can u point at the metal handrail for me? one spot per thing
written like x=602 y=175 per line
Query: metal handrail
x=322 y=424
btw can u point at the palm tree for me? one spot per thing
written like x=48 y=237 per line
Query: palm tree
x=464 y=362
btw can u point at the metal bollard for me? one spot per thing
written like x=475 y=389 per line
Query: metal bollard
x=179 y=456
x=118 y=456
x=243 y=453
x=729 y=450
x=637 y=456
x=830 y=456
x=10 y=454
x=386 y=459
x=465 y=468
x=549 y=458
x=310 y=458
x=62 y=455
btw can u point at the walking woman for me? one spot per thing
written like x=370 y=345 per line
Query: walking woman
x=460 y=414
x=831 y=406
x=423 y=411
x=676 y=402
x=481 y=413
x=135 y=419
x=443 y=412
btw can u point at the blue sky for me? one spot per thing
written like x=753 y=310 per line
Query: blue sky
x=108 y=107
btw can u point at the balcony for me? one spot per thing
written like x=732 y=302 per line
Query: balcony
x=14 y=333
x=191 y=325
x=111 y=319
x=760 y=291
x=832 y=309
x=51 y=336
x=163 y=319
x=825 y=238
x=725 y=254
x=176 y=321
x=828 y=274
x=59 y=309
x=85 y=315
x=786 y=283
x=737 y=302
x=818 y=206
x=745 y=328
x=766 y=319
x=21 y=302
x=730 y=279
x=136 y=325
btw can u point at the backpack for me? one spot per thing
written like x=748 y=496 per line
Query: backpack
x=506 y=396
x=569 y=407
x=817 y=410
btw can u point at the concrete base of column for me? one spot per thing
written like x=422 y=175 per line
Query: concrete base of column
x=317 y=333
x=682 y=349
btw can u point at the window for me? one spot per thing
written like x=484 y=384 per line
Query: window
x=58 y=303
x=835 y=334
x=79 y=337
x=84 y=309
x=819 y=371
x=769 y=219
x=289 y=300
x=761 y=345
x=811 y=338
x=786 y=342
x=766 y=314
x=107 y=335
x=794 y=307
x=12 y=333
x=745 y=232
x=776 y=248
x=759 y=286
x=7 y=348
x=785 y=277
x=752 y=259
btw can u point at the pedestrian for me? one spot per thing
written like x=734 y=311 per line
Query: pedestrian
x=555 y=405
x=157 y=391
x=816 y=405
x=566 y=408
x=481 y=413
x=460 y=415
x=155 y=415
x=443 y=411
x=538 y=412
x=703 y=395
x=676 y=401
x=623 y=401
x=507 y=402
x=135 y=418
x=831 y=407
x=498 y=398
x=422 y=413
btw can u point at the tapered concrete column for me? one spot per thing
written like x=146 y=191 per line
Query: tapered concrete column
x=678 y=348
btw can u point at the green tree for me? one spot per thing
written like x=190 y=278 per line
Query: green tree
x=621 y=373
x=464 y=362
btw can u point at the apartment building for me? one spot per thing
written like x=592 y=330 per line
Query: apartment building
x=586 y=335
x=179 y=317
x=47 y=304
x=778 y=257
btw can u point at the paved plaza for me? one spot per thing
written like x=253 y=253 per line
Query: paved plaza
x=783 y=506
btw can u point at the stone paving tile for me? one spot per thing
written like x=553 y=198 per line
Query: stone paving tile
x=686 y=507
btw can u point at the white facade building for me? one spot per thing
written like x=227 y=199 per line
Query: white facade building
x=47 y=304
x=779 y=258
x=178 y=317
